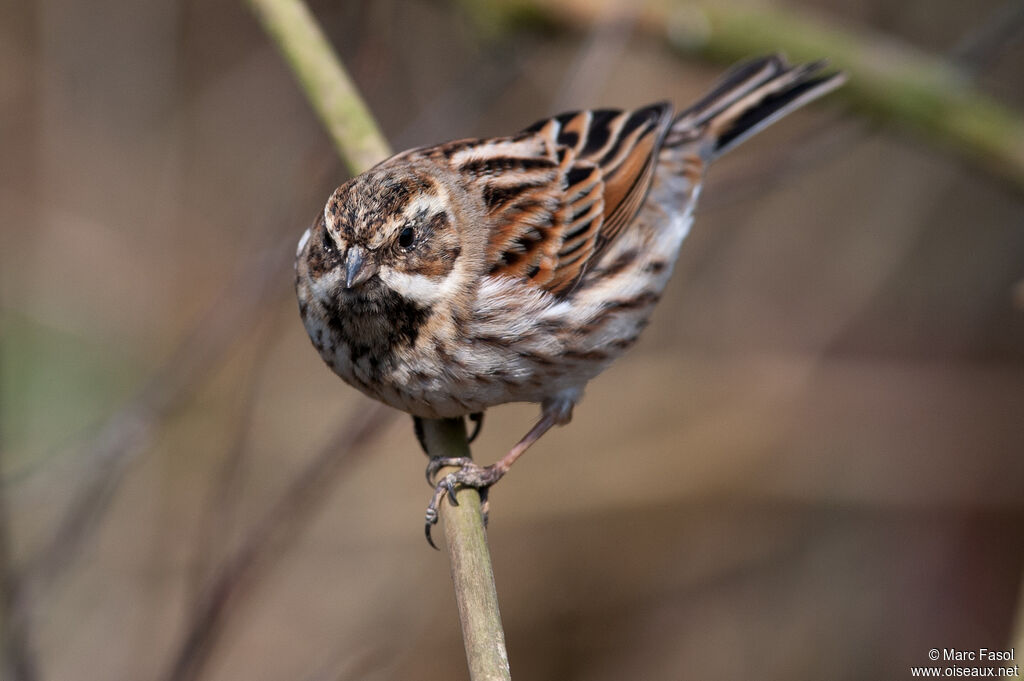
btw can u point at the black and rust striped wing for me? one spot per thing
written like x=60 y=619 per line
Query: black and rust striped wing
x=561 y=190
x=616 y=151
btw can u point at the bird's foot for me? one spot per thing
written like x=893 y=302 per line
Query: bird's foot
x=469 y=474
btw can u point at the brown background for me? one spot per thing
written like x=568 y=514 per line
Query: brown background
x=811 y=467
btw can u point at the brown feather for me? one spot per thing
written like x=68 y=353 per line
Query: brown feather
x=558 y=192
x=621 y=146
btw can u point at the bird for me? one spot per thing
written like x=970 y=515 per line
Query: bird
x=455 y=277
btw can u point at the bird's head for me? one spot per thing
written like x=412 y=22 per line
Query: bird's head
x=392 y=230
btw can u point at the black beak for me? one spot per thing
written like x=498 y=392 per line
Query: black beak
x=357 y=267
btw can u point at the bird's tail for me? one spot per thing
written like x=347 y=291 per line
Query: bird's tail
x=749 y=98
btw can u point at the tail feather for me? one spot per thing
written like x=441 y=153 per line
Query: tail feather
x=749 y=98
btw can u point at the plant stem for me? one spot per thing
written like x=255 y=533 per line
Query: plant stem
x=328 y=87
x=359 y=141
x=472 y=574
x=887 y=80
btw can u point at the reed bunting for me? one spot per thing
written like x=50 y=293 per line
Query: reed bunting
x=452 y=278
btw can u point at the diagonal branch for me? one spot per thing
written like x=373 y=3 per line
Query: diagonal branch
x=359 y=141
x=887 y=80
x=328 y=87
x=269 y=538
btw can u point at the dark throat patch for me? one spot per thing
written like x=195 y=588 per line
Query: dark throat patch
x=374 y=322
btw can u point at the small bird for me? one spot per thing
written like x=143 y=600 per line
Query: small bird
x=452 y=278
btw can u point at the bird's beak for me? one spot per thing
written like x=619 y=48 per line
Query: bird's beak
x=358 y=268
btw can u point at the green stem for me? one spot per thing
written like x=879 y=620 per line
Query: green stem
x=887 y=80
x=359 y=141
x=327 y=86
x=472 y=573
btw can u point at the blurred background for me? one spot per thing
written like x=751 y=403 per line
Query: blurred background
x=810 y=467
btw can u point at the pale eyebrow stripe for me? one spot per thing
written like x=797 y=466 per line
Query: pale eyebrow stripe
x=302 y=241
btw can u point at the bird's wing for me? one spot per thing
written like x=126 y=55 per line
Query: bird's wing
x=557 y=193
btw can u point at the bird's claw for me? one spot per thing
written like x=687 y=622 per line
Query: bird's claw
x=469 y=475
x=438 y=462
x=445 y=487
x=430 y=522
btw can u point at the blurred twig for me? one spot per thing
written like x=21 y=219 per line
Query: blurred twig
x=268 y=539
x=834 y=134
x=17 y=661
x=888 y=80
x=357 y=137
x=130 y=431
x=983 y=44
x=459 y=107
x=218 y=587
x=116 y=444
x=605 y=44
x=214 y=528
x=327 y=85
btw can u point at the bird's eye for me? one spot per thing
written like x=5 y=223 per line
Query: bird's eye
x=405 y=237
x=328 y=242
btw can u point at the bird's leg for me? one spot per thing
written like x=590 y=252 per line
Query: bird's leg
x=478 y=422
x=417 y=428
x=470 y=474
